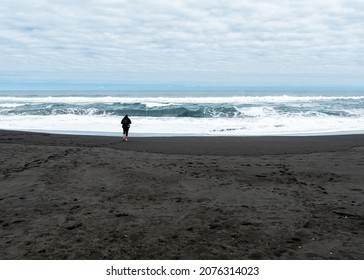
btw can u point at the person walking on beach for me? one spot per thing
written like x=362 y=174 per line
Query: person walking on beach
x=126 y=122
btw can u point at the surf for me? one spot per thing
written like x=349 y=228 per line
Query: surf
x=187 y=113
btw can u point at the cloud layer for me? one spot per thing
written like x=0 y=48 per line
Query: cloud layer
x=223 y=42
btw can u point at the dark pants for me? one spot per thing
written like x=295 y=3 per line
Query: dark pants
x=125 y=130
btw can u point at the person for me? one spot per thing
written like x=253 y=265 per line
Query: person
x=126 y=122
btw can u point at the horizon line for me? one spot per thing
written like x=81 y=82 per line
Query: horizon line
x=175 y=87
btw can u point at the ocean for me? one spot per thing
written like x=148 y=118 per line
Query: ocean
x=185 y=113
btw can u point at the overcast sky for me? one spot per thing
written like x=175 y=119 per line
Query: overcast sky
x=182 y=42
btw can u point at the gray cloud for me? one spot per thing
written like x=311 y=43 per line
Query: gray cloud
x=171 y=41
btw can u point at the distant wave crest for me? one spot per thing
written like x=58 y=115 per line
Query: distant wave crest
x=242 y=107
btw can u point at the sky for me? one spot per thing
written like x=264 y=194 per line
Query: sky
x=97 y=44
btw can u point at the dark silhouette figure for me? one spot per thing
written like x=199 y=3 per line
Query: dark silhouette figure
x=126 y=122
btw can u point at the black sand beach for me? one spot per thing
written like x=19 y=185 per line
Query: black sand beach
x=88 y=197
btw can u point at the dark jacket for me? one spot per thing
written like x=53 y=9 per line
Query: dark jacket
x=126 y=122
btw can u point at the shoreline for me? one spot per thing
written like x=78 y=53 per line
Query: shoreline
x=91 y=197
x=150 y=135
x=194 y=145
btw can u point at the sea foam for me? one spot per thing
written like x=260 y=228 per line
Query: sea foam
x=191 y=113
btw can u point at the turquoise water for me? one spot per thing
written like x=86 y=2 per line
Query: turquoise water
x=186 y=112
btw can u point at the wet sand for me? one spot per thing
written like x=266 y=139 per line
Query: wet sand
x=88 y=197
